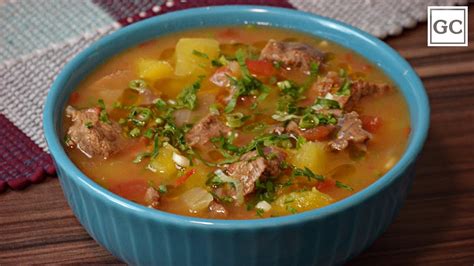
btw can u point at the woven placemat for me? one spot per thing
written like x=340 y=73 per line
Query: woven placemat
x=39 y=36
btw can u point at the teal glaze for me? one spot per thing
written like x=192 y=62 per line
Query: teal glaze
x=325 y=236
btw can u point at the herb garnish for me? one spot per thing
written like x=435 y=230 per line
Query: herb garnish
x=138 y=85
x=200 y=54
x=88 y=124
x=187 y=98
x=307 y=173
x=103 y=116
x=339 y=184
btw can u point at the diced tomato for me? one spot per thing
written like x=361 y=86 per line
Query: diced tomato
x=133 y=190
x=371 y=123
x=318 y=133
x=74 y=98
x=326 y=185
x=182 y=179
x=261 y=67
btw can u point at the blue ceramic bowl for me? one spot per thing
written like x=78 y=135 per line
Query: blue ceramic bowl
x=330 y=235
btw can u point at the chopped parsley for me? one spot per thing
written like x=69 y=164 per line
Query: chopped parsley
x=307 y=173
x=103 y=116
x=188 y=98
x=200 y=54
x=259 y=212
x=345 y=89
x=88 y=124
x=246 y=85
x=339 y=184
x=162 y=189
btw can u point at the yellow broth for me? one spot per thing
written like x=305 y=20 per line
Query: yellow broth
x=128 y=179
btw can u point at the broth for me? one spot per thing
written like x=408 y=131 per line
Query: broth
x=312 y=174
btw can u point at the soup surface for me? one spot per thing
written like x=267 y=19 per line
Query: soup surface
x=236 y=123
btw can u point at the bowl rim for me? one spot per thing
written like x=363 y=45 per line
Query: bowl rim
x=413 y=148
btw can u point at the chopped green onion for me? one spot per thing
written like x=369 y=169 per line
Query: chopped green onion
x=328 y=103
x=159 y=121
x=135 y=132
x=345 y=89
x=283 y=116
x=213 y=109
x=160 y=103
x=148 y=133
x=138 y=85
x=308 y=121
x=235 y=120
x=286 y=84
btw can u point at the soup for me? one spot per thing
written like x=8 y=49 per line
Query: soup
x=236 y=123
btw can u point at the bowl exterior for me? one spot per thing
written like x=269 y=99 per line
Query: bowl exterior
x=325 y=236
x=139 y=240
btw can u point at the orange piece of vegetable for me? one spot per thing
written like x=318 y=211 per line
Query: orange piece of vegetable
x=133 y=189
x=261 y=67
x=326 y=185
x=182 y=179
x=371 y=123
x=74 y=98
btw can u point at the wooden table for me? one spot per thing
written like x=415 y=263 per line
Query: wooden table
x=435 y=226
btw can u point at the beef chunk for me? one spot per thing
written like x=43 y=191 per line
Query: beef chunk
x=350 y=131
x=332 y=82
x=360 y=89
x=216 y=210
x=206 y=129
x=253 y=167
x=93 y=137
x=152 y=197
x=292 y=54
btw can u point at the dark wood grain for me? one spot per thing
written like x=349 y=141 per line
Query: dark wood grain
x=435 y=226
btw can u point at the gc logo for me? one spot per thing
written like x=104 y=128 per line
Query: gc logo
x=447 y=25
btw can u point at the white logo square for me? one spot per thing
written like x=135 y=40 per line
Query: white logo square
x=447 y=25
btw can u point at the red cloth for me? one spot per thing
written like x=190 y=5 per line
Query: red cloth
x=22 y=161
